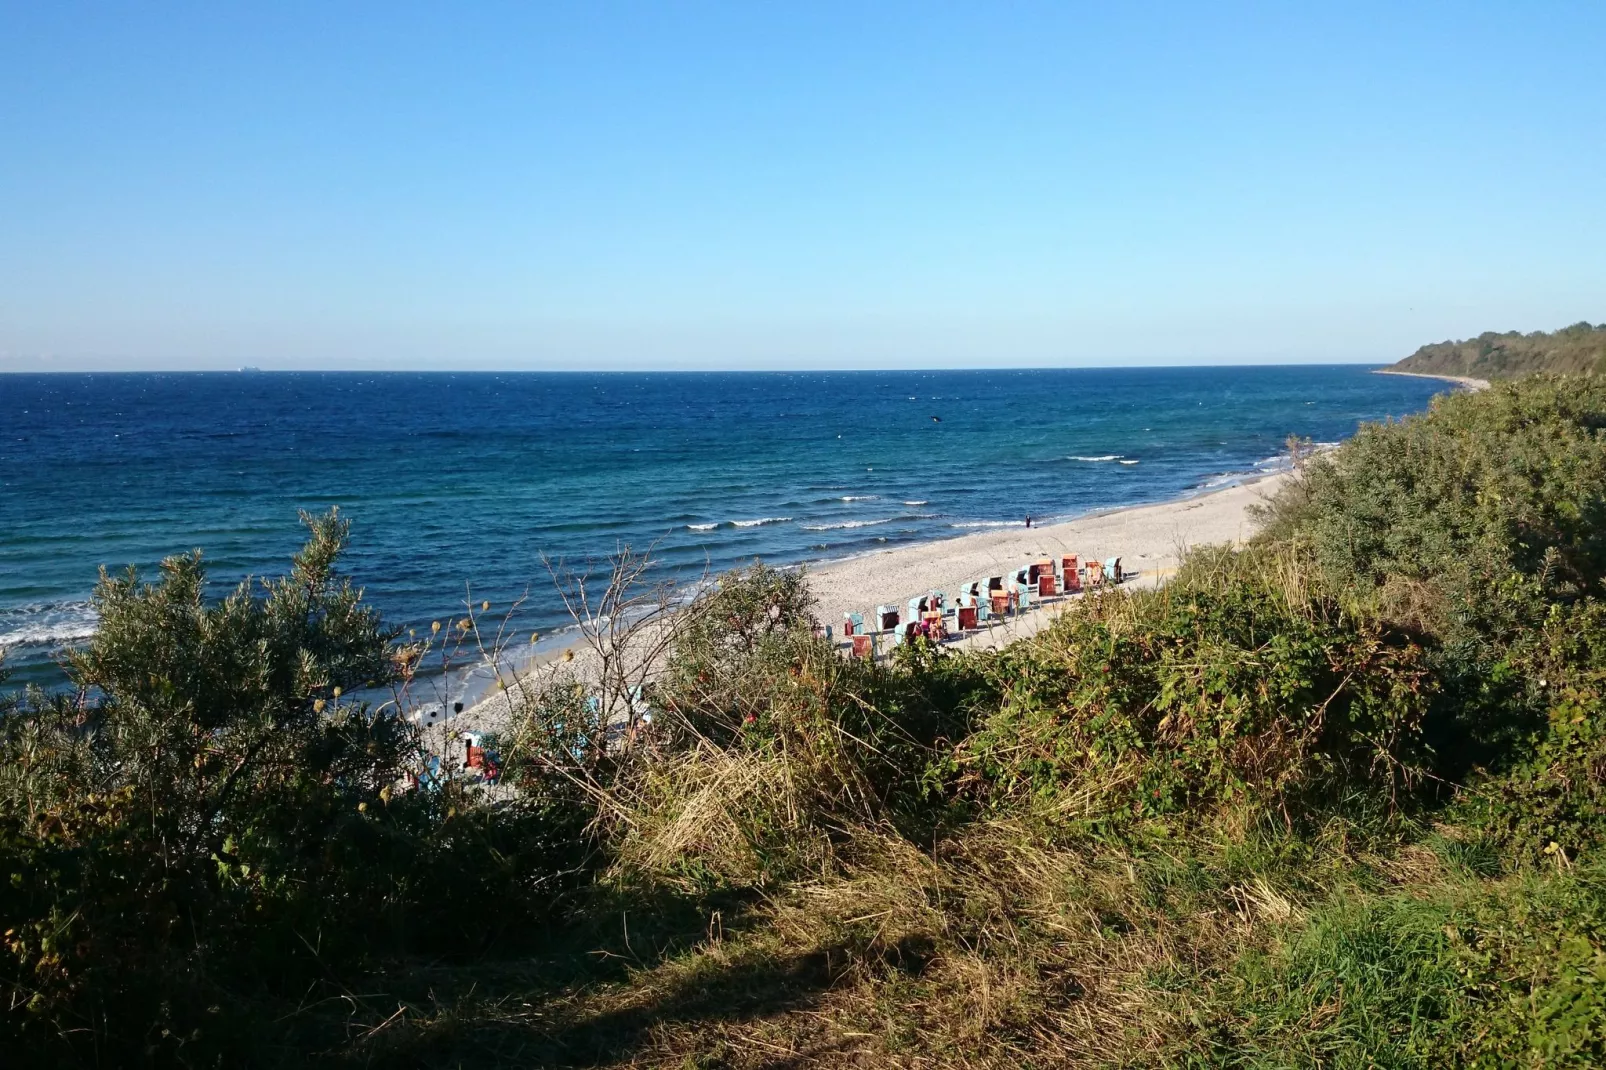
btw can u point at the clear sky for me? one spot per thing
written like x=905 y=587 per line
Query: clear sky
x=675 y=185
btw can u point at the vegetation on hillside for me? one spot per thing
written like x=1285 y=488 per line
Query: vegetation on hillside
x=1576 y=350
x=1335 y=799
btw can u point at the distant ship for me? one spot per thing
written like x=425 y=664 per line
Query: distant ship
x=249 y=368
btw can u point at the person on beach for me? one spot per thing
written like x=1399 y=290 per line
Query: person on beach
x=1028 y=519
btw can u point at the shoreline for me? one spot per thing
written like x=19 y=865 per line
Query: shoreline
x=1466 y=382
x=1150 y=540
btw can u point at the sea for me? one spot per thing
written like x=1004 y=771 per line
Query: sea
x=463 y=488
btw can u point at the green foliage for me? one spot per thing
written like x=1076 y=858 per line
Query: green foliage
x=1508 y=974
x=1552 y=801
x=1334 y=799
x=771 y=744
x=1216 y=689
x=1502 y=488
x=212 y=819
x=743 y=637
x=1469 y=525
x=1576 y=350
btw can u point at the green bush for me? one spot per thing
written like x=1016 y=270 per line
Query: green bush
x=1219 y=688
x=1504 y=974
x=211 y=821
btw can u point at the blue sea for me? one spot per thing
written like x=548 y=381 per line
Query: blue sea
x=459 y=483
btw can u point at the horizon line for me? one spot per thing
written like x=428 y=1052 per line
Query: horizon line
x=249 y=369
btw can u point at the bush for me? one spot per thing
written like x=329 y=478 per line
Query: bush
x=1219 y=688
x=215 y=823
x=1473 y=515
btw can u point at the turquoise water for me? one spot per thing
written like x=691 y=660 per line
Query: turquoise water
x=454 y=480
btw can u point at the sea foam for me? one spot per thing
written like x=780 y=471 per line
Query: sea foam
x=46 y=623
x=846 y=524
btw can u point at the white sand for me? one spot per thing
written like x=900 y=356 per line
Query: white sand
x=1149 y=539
x=1466 y=381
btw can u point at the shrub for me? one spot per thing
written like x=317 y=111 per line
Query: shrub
x=215 y=822
x=1215 y=689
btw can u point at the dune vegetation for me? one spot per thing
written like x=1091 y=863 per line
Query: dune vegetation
x=1337 y=798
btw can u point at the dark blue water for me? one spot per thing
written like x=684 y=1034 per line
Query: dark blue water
x=468 y=479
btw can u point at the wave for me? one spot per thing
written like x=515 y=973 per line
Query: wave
x=860 y=498
x=918 y=501
x=1096 y=460
x=985 y=524
x=1126 y=460
x=47 y=623
x=760 y=521
x=847 y=524
x=701 y=527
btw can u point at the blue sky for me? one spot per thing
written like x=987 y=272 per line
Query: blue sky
x=343 y=185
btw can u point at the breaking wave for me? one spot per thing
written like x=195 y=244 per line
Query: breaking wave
x=46 y=623
x=846 y=524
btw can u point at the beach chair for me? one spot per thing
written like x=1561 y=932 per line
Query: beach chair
x=1047 y=586
x=886 y=618
x=917 y=606
x=429 y=777
x=984 y=610
x=473 y=751
x=1116 y=575
x=1023 y=592
x=1071 y=573
x=1093 y=574
x=998 y=600
x=862 y=647
x=967 y=616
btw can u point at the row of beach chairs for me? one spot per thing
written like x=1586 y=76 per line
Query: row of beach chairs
x=979 y=603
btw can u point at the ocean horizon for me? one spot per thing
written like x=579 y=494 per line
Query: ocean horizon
x=458 y=485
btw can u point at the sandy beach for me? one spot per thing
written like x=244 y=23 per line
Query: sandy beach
x=1465 y=381
x=1149 y=539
